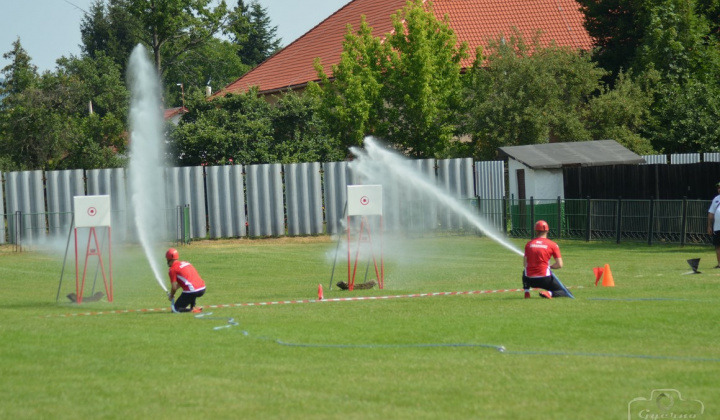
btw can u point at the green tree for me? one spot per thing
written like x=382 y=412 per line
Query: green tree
x=20 y=74
x=674 y=35
x=711 y=10
x=678 y=44
x=215 y=64
x=616 y=28
x=250 y=29
x=527 y=94
x=171 y=28
x=684 y=117
x=246 y=129
x=623 y=112
x=48 y=125
x=110 y=29
x=35 y=128
x=23 y=115
x=404 y=88
x=300 y=134
x=182 y=35
x=232 y=129
x=98 y=100
x=350 y=103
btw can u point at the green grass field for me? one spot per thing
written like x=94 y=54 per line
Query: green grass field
x=401 y=358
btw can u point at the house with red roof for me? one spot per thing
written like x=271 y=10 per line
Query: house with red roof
x=476 y=22
x=174 y=115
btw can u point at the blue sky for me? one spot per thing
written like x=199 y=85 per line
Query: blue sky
x=49 y=29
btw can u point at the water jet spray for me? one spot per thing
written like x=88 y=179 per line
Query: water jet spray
x=379 y=165
x=146 y=168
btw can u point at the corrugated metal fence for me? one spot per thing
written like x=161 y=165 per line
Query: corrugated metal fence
x=237 y=201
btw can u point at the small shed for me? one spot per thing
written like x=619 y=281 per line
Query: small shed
x=536 y=170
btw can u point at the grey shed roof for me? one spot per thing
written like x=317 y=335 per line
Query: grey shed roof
x=581 y=153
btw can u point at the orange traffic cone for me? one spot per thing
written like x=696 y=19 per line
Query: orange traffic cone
x=598 y=274
x=608 y=277
x=320 y=292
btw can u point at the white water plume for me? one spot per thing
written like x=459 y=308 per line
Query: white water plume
x=146 y=155
x=379 y=165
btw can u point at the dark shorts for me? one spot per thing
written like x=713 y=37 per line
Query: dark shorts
x=187 y=299
x=547 y=283
x=716 y=238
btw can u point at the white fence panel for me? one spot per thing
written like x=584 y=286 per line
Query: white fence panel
x=61 y=187
x=335 y=181
x=682 y=158
x=655 y=159
x=490 y=185
x=226 y=201
x=455 y=176
x=186 y=185
x=25 y=194
x=303 y=195
x=265 y=200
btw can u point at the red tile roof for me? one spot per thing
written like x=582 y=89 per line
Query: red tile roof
x=169 y=113
x=474 y=21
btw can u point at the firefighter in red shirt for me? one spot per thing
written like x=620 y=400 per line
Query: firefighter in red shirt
x=536 y=260
x=184 y=275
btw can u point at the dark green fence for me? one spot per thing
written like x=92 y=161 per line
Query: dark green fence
x=650 y=221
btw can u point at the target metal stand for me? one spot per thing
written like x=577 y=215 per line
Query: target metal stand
x=364 y=201
x=93 y=212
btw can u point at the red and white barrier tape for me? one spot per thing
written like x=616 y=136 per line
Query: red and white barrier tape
x=288 y=302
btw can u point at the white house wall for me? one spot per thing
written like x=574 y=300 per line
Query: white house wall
x=539 y=183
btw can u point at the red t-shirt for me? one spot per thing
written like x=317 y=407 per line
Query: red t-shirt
x=538 y=253
x=187 y=276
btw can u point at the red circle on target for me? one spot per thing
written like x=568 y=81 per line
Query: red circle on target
x=92 y=211
x=364 y=200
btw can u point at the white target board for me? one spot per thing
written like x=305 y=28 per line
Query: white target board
x=364 y=200
x=92 y=210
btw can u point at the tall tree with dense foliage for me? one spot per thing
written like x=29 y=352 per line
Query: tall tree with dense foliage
x=70 y=118
x=622 y=113
x=679 y=45
x=677 y=40
x=19 y=75
x=98 y=101
x=231 y=129
x=246 y=129
x=524 y=93
x=171 y=28
x=351 y=102
x=109 y=28
x=404 y=88
x=215 y=64
x=634 y=33
x=300 y=134
x=711 y=10
x=184 y=37
x=19 y=78
x=250 y=29
x=519 y=93
x=616 y=28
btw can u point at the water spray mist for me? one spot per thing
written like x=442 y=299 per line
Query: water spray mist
x=146 y=168
x=378 y=164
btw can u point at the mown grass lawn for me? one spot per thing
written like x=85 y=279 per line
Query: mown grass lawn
x=396 y=358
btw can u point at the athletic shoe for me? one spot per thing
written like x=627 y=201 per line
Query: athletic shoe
x=196 y=310
x=527 y=295
x=545 y=294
